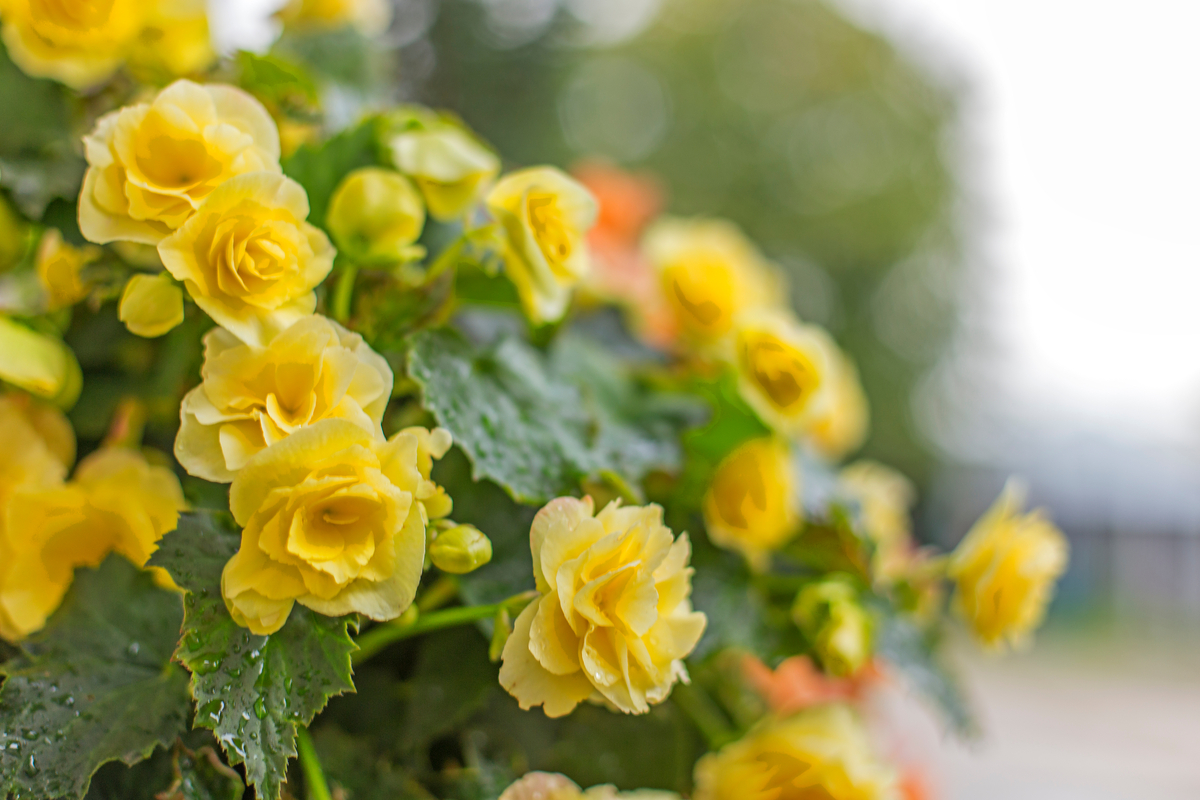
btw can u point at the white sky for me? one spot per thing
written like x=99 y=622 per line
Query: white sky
x=1085 y=116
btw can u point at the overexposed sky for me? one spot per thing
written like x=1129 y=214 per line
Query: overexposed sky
x=1083 y=123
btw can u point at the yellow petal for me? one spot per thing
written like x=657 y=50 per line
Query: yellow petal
x=38 y=364
x=151 y=305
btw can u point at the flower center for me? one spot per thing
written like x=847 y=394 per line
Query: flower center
x=174 y=163
x=787 y=376
x=703 y=292
x=549 y=228
x=78 y=15
x=794 y=778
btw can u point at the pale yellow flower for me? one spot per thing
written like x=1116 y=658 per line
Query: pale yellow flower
x=60 y=270
x=450 y=166
x=248 y=257
x=552 y=786
x=842 y=426
x=335 y=520
x=884 y=498
x=77 y=42
x=613 y=621
x=174 y=40
x=710 y=274
x=370 y=17
x=151 y=305
x=1005 y=570
x=784 y=369
x=39 y=364
x=251 y=397
x=546 y=216
x=375 y=215
x=753 y=503
x=822 y=753
x=151 y=165
x=116 y=502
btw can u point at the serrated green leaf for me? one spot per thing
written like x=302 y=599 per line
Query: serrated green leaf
x=528 y=430
x=912 y=652
x=319 y=168
x=251 y=691
x=96 y=685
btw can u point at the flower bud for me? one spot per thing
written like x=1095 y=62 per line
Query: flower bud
x=450 y=166
x=39 y=364
x=151 y=305
x=829 y=614
x=460 y=550
x=375 y=215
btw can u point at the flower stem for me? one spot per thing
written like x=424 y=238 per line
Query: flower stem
x=704 y=714
x=343 y=292
x=310 y=765
x=388 y=633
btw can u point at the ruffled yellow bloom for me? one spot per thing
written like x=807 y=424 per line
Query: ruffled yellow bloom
x=335 y=520
x=710 y=274
x=884 y=498
x=753 y=503
x=251 y=397
x=39 y=364
x=59 y=270
x=116 y=502
x=614 y=621
x=545 y=215
x=450 y=166
x=822 y=753
x=1005 y=569
x=77 y=42
x=151 y=165
x=785 y=370
x=842 y=427
x=552 y=786
x=151 y=305
x=248 y=258
x=375 y=215
x=370 y=17
x=174 y=40
x=833 y=619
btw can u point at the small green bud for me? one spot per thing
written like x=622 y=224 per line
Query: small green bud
x=830 y=615
x=460 y=550
x=375 y=215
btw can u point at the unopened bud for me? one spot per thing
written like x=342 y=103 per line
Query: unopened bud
x=375 y=216
x=460 y=550
x=830 y=615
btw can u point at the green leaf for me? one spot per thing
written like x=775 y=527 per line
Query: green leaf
x=275 y=81
x=319 y=168
x=452 y=680
x=352 y=765
x=528 y=430
x=96 y=685
x=200 y=775
x=914 y=653
x=251 y=691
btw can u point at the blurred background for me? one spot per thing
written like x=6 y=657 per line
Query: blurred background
x=993 y=207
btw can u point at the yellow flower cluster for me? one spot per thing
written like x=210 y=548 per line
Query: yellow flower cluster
x=115 y=502
x=1005 y=569
x=613 y=620
x=83 y=44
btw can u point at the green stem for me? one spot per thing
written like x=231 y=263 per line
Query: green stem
x=388 y=633
x=310 y=765
x=443 y=591
x=343 y=292
x=705 y=715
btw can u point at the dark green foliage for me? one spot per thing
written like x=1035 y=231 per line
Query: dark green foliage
x=913 y=653
x=319 y=168
x=251 y=691
x=96 y=685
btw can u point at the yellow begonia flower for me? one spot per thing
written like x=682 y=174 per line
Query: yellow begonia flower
x=251 y=397
x=335 y=520
x=753 y=503
x=884 y=498
x=552 y=786
x=614 y=621
x=151 y=165
x=375 y=215
x=248 y=258
x=174 y=40
x=1005 y=569
x=830 y=615
x=370 y=17
x=77 y=43
x=784 y=369
x=151 y=305
x=842 y=427
x=710 y=274
x=116 y=502
x=59 y=270
x=451 y=168
x=39 y=364
x=46 y=422
x=822 y=753
x=545 y=215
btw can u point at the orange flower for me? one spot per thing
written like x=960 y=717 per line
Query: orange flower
x=914 y=786
x=795 y=684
